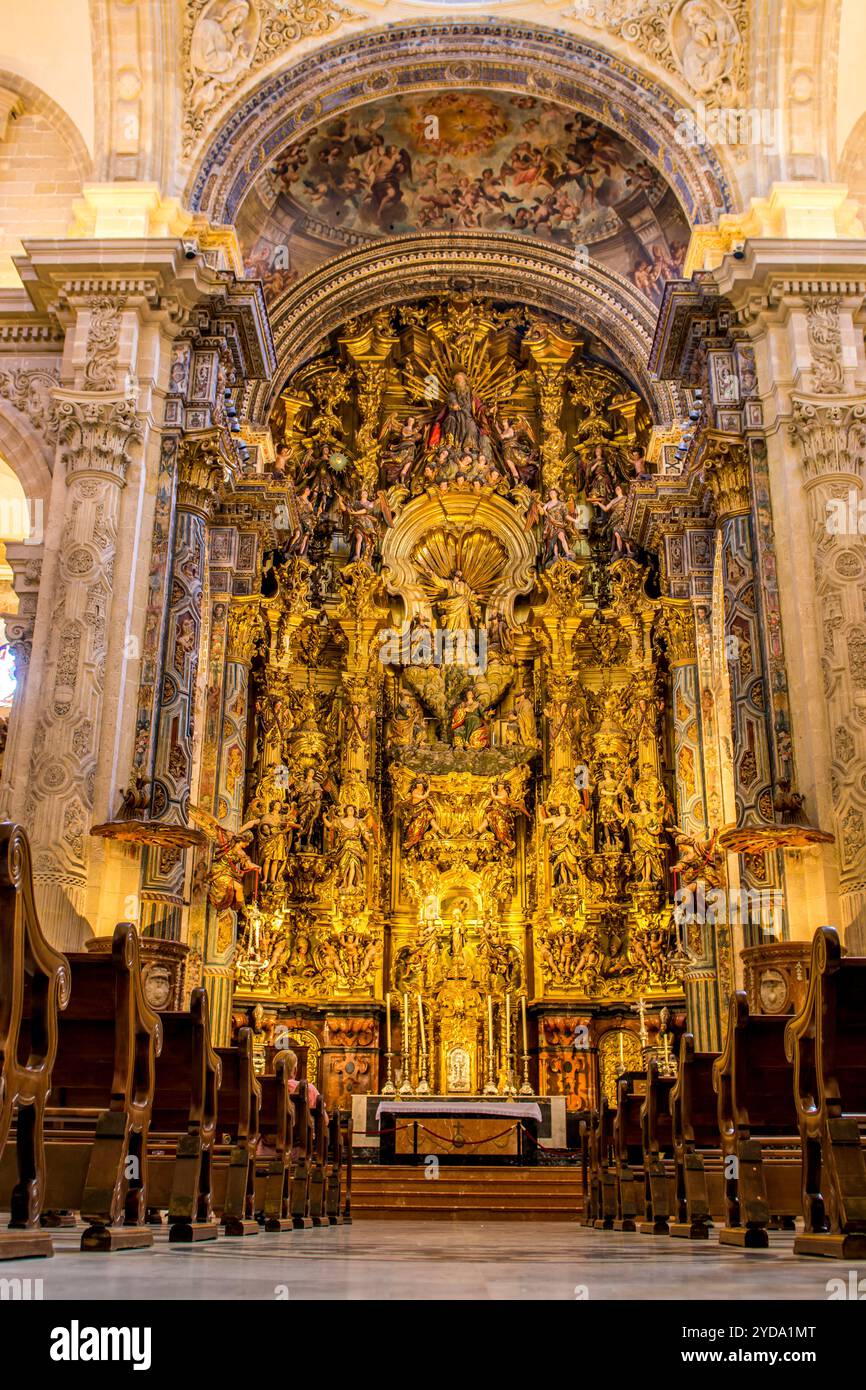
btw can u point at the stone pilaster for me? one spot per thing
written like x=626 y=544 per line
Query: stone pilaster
x=199 y=473
x=725 y=463
x=222 y=928
x=831 y=438
x=97 y=435
x=26 y=564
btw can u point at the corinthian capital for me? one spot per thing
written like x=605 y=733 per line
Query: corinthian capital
x=832 y=438
x=96 y=435
x=725 y=464
x=199 y=474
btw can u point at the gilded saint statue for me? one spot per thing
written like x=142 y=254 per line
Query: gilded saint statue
x=353 y=840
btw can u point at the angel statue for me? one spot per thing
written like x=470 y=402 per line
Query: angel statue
x=231 y=863
x=363 y=524
x=700 y=859
x=566 y=844
x=500 y=814
x=418 y=814
x=353 y=840
x=561 y=527
x=302 y=518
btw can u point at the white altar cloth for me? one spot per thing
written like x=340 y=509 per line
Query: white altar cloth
x=489 y=1109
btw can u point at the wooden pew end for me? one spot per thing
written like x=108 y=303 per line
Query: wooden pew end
x=191 y=1232
x=108 y=1238
x=690 y=1230
x=239 y=1226
x=839 y=1246
x=745 y=1237
x=25 y=1245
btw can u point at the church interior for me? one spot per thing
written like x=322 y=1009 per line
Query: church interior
x=433 y=650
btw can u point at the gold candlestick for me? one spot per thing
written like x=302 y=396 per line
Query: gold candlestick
x=406 y=1084
x=423 y=1087
x=389 y=1089
x=490 y=1083
x=525 y=1089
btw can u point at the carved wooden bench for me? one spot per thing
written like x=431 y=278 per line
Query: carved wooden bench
x=759 y=1132
x=827 y=1044
x=605 y=1168
x=274 y=1169
x=343 y=1205
x=184 y=1124
x=239 y=1103
x=700 y=1194
x=658 y=1152
x=98 y=1111
x=34 y=987
x=590 y=1168
x=302 y=1158
x=628 y=1151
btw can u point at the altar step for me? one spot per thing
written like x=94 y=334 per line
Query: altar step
x=468 y=1194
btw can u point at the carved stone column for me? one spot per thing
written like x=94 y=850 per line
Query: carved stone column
x=26 y=564
x=199 y=472
x=221 y=933
x=97 y=434
x=725 y=464
x=832 y=442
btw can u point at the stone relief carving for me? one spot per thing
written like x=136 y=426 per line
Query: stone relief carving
x=29 y=390
x=227 y=39
x=102 y=336
x=825 y=345
x=701 y=41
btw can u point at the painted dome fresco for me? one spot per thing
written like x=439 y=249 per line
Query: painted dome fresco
x=463 y=160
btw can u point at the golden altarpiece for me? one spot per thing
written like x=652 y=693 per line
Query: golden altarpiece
x=460 y=830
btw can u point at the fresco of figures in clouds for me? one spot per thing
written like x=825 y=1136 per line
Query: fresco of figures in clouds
x=463 y=160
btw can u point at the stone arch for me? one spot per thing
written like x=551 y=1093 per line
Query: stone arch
x=492 y=55
x=499 y=264
x=40 y=103
x=27 y=452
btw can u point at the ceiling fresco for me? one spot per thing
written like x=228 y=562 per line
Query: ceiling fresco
x=463 y=160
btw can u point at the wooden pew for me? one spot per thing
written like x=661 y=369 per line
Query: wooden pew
x=700 y=1196
x=34 y=987
x=606 y=1168
x=334 y=1177
x=827 y=1044
x=347 y=1130
x=658 y=1152
x=184 y=1124
x=239 y=1104
x=758 y=1127
x=276 y=1124
x=628 y=1151
x=319 y=1170
x=98 y=1111
x=302 y=1158
x=590 y=1169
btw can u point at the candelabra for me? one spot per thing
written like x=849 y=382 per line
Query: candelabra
x=405 y=1042
x=526 y=1089
x=389 y=1089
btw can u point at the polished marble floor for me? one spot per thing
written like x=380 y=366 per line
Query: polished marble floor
x=384 y=1260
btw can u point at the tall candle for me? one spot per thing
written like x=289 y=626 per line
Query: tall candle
x=523 y=1017
x=421 y=1027
x=507 y=1058
x=406 y=1024
x=621 y=1052
x=388 y=1022
x=490 y=1026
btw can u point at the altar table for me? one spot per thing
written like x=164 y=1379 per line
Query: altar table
x=457 y=1129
